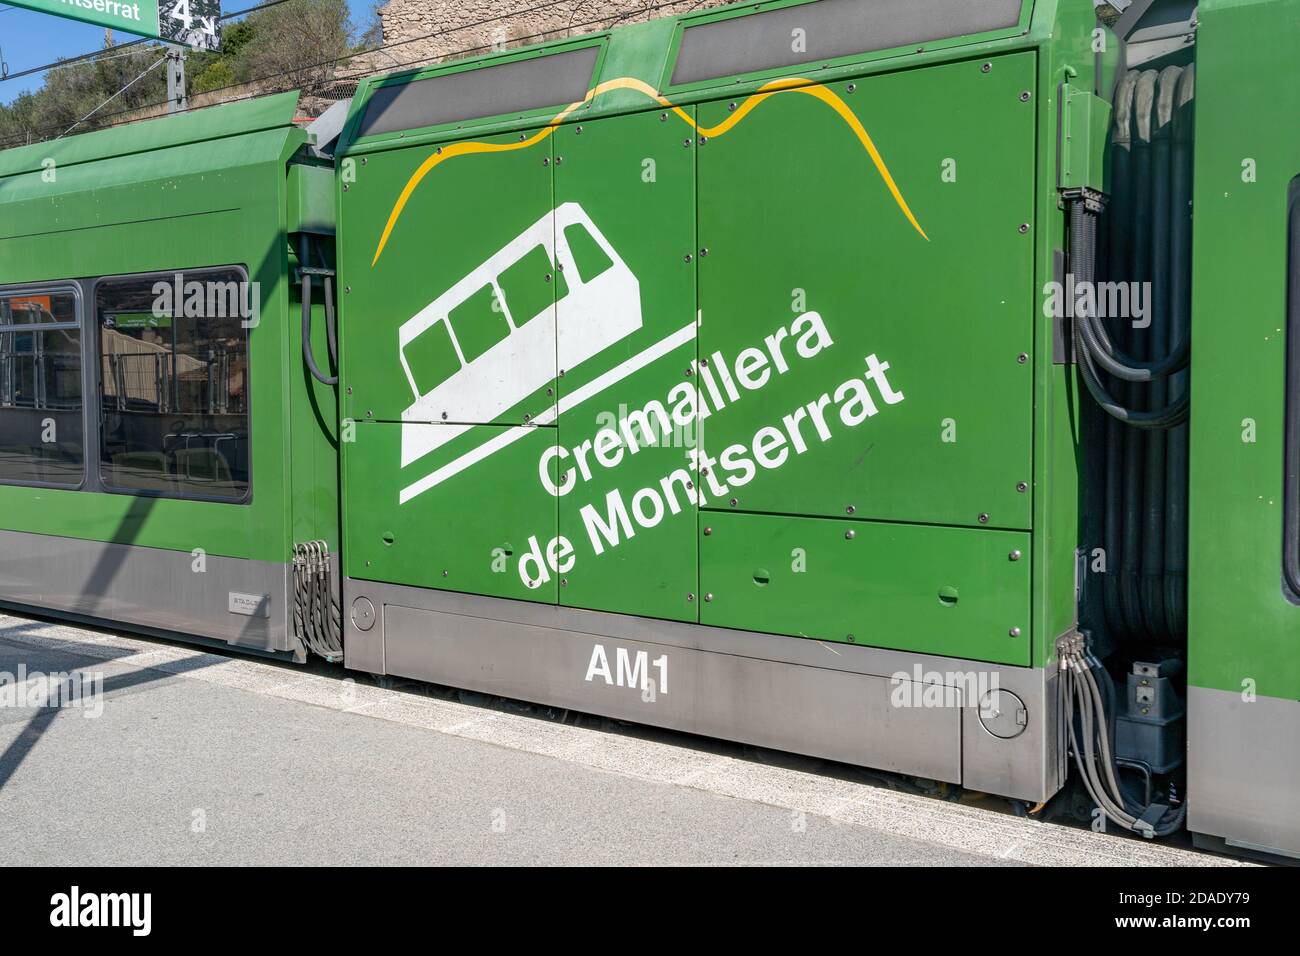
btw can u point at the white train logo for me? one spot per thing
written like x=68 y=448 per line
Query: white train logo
x=592 y=312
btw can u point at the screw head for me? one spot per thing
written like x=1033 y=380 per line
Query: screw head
x=731 y=107
x=687 y=257
x=550 y=391
x=732 y=502
x=850 y=638
x=1023 y=227
x=850 y=535
x=850 y=509
x=546 y=162
x=446 y=574
x=1014 y=632
x=577 y=130
x=347 y=290
x=1024 y=96
x=690 y=597
x=704 y=251
x=564 y=582
x=364 y=160
x=1022 y=486
x=345 y=187
x=663 y=117
x=983 y=519
x=349 y=389
x=559 y=160
x=1014 y=555
x=708 y=531
x=686 y=143
x=708 y=597
x=984 y=68
x=852 y=87
x=1022 y=358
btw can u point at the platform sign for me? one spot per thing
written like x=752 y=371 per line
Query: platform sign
x=194 y=23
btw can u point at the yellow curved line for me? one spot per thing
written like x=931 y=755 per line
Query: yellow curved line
x=793 y=84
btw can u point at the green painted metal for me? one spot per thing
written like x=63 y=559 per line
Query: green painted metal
x=206 y=189
x=634 y=176
x=1243 y=629
x=939 y=306
x=936 y=590
x=1085 y=119
x=919 y=243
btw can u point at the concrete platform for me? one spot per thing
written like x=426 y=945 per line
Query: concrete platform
x=203 y=758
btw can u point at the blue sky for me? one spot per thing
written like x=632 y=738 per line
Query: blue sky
x=29 y=39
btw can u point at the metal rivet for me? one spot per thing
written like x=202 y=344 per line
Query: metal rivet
x=1024 y=97
x=561 y=375
x=347 y=290
x=1022 y=358
x=850 y=509
x=547 y=277
x=564 y=582
x=850 y=535
x=687 y=257
x=703 y=140
x=690 y=597
x=663 y=117
x=1021 y=486
x=704 y=251
x=984 y=519
x=852 y=87
x=559 y=160
x=686 y=143
x=1014 y=555
x=578 y=130
x=732 y=502
x=349 y=389
x=1014 y=632
x=1024 y=228
x=550 y=391
x=704 y=363
x=369 y=413
x=345 y=187
x=546 y=162
x=444 y=416
x=708 y=597
x=690 y=486
x=731 y=107
x=446 y=574
x=364 y=160
x=708 y=531
x=688 y=371
x=527 y=419
x=850 y=638
x=438 y=150
x=986 y=67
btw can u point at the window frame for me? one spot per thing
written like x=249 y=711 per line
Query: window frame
x=45 y=288
x=101 y=481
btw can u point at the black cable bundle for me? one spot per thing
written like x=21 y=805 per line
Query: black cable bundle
x=1092 y=743
x=317 y=617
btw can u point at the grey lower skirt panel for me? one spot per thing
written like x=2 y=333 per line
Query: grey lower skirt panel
x=232 y=600
x=891 y=710
x=1243 y=770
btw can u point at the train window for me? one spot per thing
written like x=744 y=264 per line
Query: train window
x=588 y=257
x=479 y=323
x=431 y=357
x=826 y=30
x=527 y=293
x=173 y=384
x=515 y=87
x=40 y=389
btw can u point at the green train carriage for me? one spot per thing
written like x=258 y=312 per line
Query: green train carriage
x=710 y=373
